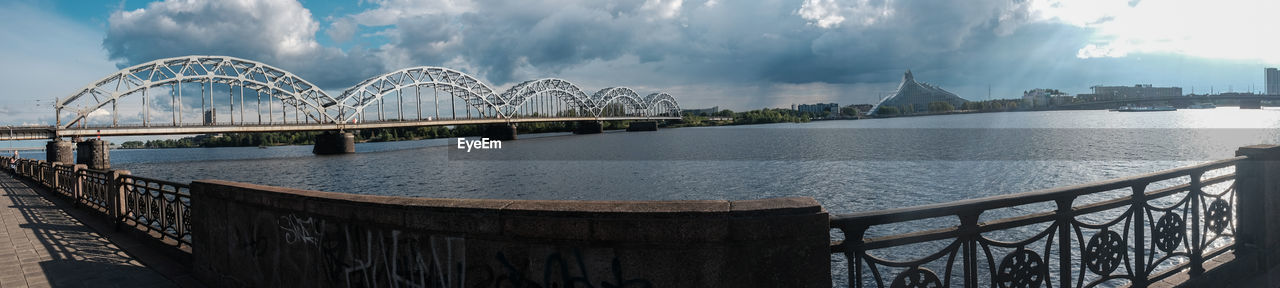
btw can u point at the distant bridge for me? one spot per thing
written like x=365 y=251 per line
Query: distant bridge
x=47 y=132
x=238 y=95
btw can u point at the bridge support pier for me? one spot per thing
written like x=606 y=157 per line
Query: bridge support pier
x=94 y=153
x=1250 y=104
x=643 y=126
x=588 y=127
x=331 y=143
x=500 y=132
x=58 y=151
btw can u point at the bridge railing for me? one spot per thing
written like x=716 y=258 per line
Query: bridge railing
x=160 y=208
x=1130 y=231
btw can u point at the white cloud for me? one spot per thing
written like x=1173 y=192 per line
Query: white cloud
x=390 y=12
x=824 y=13
x=342 y=30
x=1227 y=29
x=279 y=32
x=271 y=27
x=833 y=13
x=665 y=9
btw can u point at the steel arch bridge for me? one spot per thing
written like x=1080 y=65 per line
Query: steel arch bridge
x=138 y=80
x=157 y=98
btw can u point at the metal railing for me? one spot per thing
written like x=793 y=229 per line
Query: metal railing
x=158 y=206
x=162 y=208
x=1129 y=231
x=69 y=182
x=96 y=189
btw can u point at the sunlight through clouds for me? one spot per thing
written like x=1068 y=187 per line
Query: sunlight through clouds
x=1228 y=29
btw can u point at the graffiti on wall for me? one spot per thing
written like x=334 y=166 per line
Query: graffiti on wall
x=300 y=250
x=558 y=272
x=362 y=257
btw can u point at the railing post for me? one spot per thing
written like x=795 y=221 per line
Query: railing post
x=969 y=237
x=1064 y=241
x=116 y=196
x=1258 y=205
x=50 y=174
x=1142 y=278
x=1197 y=256
x=55 y=179
x=40 y=167
x=853 y=252
x=79 y=179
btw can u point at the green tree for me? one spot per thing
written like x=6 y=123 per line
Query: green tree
x=848 y=111
x=132 y=145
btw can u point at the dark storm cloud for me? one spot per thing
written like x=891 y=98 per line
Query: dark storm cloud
x=764 y=43
x=278 y=32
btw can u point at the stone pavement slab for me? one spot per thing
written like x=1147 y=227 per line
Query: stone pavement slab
x=43 y=246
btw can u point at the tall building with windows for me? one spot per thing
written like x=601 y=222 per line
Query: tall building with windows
x=1134 y=92
x=1273 y=81
x=819 y=108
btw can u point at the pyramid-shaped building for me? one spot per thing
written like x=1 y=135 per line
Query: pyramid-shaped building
x=918 y=95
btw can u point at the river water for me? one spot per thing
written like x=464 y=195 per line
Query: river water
x=848 y=166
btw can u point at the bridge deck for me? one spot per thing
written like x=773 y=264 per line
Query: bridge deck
x=38 y=133
x=42 y=246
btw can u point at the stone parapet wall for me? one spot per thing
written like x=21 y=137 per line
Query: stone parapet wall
x=252 y=235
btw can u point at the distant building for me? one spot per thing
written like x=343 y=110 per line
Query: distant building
x=1061 y=99
x=1140 y=91
x=817 y=109
x=700 y=112
x=1044 y=98
x=1273 y=81
x=917 y=96
x=210 y=118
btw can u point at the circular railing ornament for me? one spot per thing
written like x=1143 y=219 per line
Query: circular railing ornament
x=1022 y=268
x=1104 y=252
x=917 y=277
x=1169 y=232
x=1218 y=216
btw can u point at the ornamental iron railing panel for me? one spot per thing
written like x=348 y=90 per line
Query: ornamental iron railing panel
x=158 y=206
x=67 y=181
x=1129 y=231
x=95 y=189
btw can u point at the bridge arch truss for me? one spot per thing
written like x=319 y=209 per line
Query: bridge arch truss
x=476 y=95
x=170 y=74
x=227 y=88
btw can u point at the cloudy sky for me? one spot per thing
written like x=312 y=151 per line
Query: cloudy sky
x=733 y=54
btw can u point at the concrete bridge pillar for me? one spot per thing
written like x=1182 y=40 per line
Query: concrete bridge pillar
x=330 y=143
x=94 y=154
x=1250 y=104
x=588 y=127
x=500 y=132
x=58 y=151
x=643 y=126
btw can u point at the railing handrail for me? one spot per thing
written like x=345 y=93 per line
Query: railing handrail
x=1017 y=199
x=159 y=181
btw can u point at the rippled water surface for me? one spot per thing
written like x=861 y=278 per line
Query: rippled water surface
x=847 y=165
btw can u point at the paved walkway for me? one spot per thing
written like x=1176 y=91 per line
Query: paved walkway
x=42 y=246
